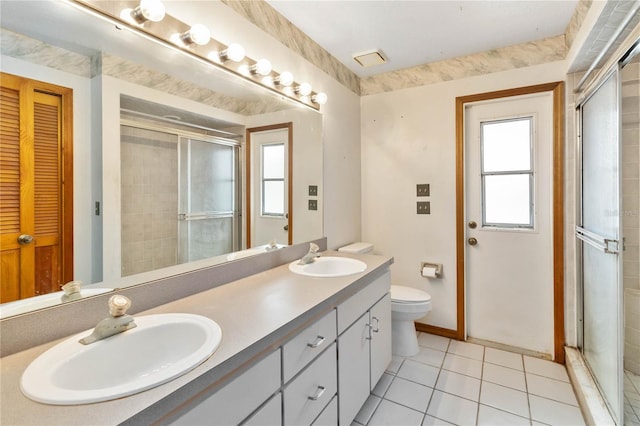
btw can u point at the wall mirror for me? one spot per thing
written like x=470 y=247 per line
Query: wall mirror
x=141 y=108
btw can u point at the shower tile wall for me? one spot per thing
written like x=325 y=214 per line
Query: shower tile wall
x=149 y=200
x=631 y=213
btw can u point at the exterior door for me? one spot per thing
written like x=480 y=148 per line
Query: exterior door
x=36 y=188
x=270 y=186
x=509 y=239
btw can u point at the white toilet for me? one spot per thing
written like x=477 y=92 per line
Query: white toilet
x=407 y=305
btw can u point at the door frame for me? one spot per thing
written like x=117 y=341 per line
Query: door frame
x=248 y=193
x=557 y=89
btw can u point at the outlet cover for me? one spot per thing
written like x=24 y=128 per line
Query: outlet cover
x=424 y=207
x=422 y=190
x=313 y=190
x=313 y=204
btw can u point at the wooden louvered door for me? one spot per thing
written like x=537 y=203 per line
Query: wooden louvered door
x=36 y=189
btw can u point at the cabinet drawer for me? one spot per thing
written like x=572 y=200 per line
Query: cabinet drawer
x=329 y=416
x=236 y=400
x=307 y=395
x=351 y=309
x=270 y=414
x=307 y=345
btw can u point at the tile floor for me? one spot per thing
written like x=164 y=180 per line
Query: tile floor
x=631 y=399
x=452 y=382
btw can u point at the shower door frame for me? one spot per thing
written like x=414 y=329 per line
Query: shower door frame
x=583 y=236
x=236 y=227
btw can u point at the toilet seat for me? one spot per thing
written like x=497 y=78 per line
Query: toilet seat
x=408 y=295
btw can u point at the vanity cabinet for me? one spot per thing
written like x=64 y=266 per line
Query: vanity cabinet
x=364 y=347
x=270 y=414
x=238 y=399
x=321 y=376
x=307 y=345
x=309 y=371
x=307 y=395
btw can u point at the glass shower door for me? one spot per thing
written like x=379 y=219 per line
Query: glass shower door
x=208 y=199
x=598 y=232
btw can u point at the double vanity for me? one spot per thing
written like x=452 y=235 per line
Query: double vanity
x=296 y=347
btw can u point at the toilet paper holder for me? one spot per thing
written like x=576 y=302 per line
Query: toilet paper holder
x=431 y=270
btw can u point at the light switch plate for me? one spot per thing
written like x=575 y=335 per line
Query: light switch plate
x=313 y=204
x=424 y=207
x=422 y=190
x=313 y=190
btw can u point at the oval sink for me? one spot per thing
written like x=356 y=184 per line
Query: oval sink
x=161 y=348
x=329 y=267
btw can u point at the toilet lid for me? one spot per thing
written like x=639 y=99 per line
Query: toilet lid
x=404 y=294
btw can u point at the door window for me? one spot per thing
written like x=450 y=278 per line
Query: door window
x=507 y=173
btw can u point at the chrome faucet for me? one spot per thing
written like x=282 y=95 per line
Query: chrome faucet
x=117 y=322
x=311 y=256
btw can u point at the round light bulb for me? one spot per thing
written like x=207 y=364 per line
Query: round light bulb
x=152 y=10
x=262 y=67
x=319 y=98
x=285 y=79
x=234 y=52
x=198 y=34
x=304 y=89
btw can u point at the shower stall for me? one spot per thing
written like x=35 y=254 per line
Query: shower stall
x=608 y=234
x=180 y=195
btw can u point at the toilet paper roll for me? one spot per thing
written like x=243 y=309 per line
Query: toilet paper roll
x=429 y=271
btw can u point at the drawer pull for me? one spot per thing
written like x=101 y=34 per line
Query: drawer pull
x=318 y=394
x=319 y=340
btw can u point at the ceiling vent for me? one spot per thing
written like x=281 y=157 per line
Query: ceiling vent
x=370 y=58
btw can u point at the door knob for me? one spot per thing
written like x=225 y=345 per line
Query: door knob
x=286 y=227
x=472 y=241
x=25 y=239
x=472 y=224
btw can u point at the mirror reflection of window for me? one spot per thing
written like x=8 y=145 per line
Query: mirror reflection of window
x=273 y=185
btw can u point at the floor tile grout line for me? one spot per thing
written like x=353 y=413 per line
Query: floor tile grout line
x=526 y=388
x=484 y=350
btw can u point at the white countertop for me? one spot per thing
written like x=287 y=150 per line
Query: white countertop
x=256 y=314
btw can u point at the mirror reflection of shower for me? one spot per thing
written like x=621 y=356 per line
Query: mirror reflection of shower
x=180 y=187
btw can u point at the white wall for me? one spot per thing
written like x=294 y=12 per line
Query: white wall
x=408 y=138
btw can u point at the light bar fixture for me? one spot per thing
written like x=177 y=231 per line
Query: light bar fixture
x=234 y=52
x=195 y=40
x=198 y=34
x=284 y=79
x=262 y=67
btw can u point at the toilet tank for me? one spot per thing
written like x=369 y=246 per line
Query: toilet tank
x=359 y=248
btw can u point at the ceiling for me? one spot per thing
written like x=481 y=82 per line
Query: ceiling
x=411 y=33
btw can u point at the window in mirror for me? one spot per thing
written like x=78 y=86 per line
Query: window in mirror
x=507 y=173
x=273 y=185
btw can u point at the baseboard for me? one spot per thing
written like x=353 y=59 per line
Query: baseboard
x=439 y=331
